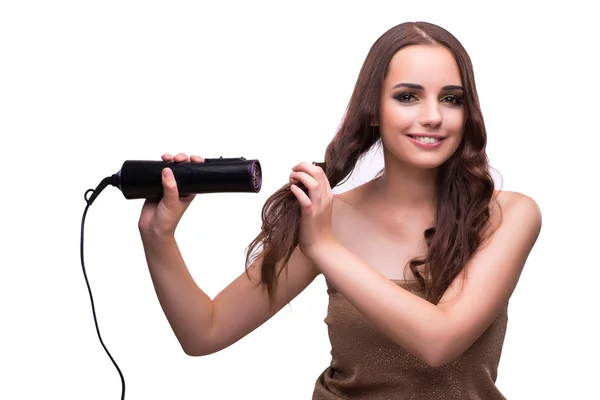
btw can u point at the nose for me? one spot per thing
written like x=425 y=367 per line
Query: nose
x=430 y=114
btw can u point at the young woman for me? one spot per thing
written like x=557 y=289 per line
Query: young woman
x=420 y=262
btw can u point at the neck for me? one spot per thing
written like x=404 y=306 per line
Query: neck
x=406 y=188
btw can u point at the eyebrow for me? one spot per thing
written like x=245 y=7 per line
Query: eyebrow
x=419 y=87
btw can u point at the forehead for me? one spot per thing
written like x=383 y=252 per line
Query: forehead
x=432 y=66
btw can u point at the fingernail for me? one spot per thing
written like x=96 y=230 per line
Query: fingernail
x=167 y=173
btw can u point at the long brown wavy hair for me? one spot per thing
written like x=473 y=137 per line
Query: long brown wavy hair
x=465 y=185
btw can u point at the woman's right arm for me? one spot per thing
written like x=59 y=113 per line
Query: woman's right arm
x=204 y=326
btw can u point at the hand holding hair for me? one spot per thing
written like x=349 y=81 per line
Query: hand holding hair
x=316 y=207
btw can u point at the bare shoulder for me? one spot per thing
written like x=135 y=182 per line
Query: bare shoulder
x=508 y=198
x=516 y=212
x=517 y=203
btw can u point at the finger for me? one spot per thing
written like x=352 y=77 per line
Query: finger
x=313 y=170
x=293 y=178
x=170 y=192
x=317 y=174
x=311 y=184
x=167 y=157
x=315 y=191
x=303 y=199
x=308 y=168
x=196 y=159
x=181 y=157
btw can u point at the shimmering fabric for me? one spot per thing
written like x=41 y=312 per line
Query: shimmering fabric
x=367 y=365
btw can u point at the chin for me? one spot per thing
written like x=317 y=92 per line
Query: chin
x=422 y=161
x=428 y=164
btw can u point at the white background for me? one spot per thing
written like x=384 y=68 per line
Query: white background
x=87 y=85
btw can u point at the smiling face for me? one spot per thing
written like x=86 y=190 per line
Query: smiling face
x=422 y=115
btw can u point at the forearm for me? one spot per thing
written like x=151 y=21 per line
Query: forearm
x=412 y=322
x=187 y=308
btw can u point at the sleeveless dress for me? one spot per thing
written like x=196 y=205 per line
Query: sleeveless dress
x=367 y=365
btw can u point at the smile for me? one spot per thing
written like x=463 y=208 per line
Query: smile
x=427 y=142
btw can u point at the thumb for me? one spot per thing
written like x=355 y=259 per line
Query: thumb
x=170 y=191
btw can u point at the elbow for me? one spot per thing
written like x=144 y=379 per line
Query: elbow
x=434 y=356
x=196 y=350
x=440 y=350
x=437 y=359
x=193 y=352
x=198 y=345
x=437 y=342
x=190 y=350
x=442 y=358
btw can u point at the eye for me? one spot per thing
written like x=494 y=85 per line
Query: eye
x=405 y=97
x=454 y=100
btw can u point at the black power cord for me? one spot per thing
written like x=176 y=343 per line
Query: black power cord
x=93 y=194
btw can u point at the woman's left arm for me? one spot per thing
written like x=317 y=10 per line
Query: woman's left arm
x=435 y=333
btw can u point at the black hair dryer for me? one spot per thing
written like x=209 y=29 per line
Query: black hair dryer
x=142 y=179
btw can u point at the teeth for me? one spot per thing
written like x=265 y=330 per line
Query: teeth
x=428 y=140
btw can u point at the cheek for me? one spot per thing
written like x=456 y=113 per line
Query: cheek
x=454 y=120
x=397 y=117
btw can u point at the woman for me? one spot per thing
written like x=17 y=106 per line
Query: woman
x=420 y=262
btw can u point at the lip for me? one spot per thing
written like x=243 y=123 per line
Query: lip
x=427 y=135
x=426 y=145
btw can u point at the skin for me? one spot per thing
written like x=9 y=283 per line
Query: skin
x=395 y=208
